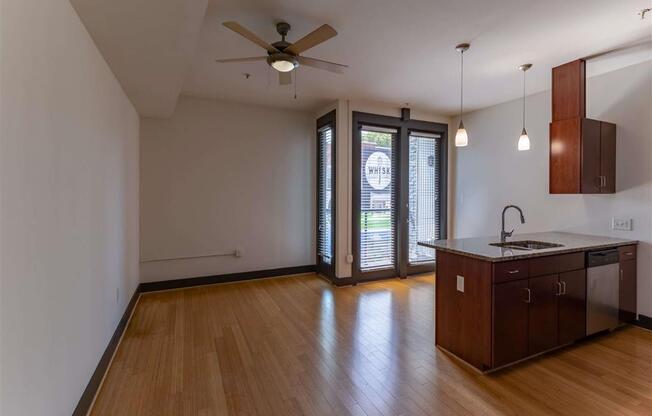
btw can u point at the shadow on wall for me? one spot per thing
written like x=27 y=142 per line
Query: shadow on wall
x=632 y=153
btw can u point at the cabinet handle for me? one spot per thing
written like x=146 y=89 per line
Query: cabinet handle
x=529 y=295
x=513 y=271
x=559 y=290
x=629 y=253
x=564 y=290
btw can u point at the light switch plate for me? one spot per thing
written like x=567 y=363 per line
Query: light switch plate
x=460 y=283
x=621 y=224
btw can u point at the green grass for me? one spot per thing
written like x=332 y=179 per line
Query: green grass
x=375 y=221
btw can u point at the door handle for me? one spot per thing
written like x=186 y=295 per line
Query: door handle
x=559 y=289
x=564 y=289
x=529 y=295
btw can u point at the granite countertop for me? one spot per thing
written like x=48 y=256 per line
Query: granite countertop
x=479 y=247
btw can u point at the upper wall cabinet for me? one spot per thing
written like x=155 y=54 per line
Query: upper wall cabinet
x=582 y=151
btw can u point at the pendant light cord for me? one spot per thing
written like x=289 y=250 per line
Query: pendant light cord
x=524 y=99
x=462 y=85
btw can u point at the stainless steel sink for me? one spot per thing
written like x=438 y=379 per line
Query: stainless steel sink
x=526 y=245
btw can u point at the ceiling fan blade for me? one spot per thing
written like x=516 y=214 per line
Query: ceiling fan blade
x=314 y=38
x=242 y=31
x=234 y=60
x=318 y=63
x=285 y=78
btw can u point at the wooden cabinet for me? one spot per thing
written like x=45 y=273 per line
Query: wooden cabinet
x=572 y=306
x=538 y=304
x=627 y=284
x=510 y=333
x=582 y=157
x=582 y=150
x=542 y=313
x=491 y=314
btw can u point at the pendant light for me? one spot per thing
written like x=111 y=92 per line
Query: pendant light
x=524 y=140
x=461 y=138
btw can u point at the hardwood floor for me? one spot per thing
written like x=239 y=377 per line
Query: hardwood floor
x=299 y=346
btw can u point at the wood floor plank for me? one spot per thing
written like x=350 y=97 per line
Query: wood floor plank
x=299 y=346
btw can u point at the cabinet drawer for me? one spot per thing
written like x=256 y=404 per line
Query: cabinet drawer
x=542 y=266
x=627 y=252
x=510 y=270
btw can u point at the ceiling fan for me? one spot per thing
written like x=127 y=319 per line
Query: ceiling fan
x=284 y=56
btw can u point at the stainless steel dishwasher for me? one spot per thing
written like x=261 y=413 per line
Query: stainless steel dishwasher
x=602 y=290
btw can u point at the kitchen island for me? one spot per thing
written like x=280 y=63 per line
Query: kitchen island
x=500 y=303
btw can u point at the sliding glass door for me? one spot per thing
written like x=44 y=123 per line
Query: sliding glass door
x=326 y=195
x=398 y=195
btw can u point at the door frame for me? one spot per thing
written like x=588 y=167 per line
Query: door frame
x=404 y=126
x=327 y=270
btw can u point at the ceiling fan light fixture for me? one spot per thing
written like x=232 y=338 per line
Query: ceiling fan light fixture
x=283 y=62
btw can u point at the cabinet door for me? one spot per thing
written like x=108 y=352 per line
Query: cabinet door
x=572 y=306
x=542 y=327
x=608 y=157
x=565 y=154
x=510 y=322
x=590 y=160
x=627 y=286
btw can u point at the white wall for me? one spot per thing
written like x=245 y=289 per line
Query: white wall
x=69 y=207
x=344 y=175
x=490 y=173
x=219 y=176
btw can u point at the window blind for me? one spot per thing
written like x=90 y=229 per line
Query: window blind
x=325 y=193
x=424 y=194
x=377 y=198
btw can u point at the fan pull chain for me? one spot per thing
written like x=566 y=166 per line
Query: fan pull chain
x=296 y=71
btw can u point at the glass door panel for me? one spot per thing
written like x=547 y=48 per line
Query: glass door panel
x=423 y=195
x=377 y=248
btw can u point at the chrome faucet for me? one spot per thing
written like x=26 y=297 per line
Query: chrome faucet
x=504 y=234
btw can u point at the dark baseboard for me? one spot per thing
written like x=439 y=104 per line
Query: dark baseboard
x=224 y=278
x=644 y=322
x=86 y=400
x=344 y=281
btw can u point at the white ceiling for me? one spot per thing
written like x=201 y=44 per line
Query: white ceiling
x=398 y=51
x=148 y=44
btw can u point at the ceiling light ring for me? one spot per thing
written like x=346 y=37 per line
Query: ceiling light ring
x=283 y=62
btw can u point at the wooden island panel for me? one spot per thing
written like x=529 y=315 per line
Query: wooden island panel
x=463 y=319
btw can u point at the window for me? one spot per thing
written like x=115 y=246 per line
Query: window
x=326 y=195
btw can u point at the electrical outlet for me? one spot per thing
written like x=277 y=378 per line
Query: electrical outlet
x=621 y=224
x=460 y=283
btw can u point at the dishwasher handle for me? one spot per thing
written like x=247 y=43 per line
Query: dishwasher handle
x=602 y=258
